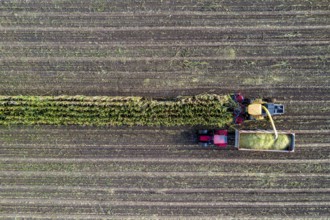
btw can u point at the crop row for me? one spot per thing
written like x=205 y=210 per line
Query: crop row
x=67 y=19
x=147 y=166
x=81 y=110
x=161 y=34
x=162 y=195
x=151 y=151
x=160 y=51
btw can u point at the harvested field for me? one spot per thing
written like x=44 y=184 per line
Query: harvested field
x=164 y=49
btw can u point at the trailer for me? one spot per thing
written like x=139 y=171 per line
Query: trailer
x=247 y=140
x=263 y=140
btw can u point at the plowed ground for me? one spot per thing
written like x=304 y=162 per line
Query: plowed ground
x=164 y=49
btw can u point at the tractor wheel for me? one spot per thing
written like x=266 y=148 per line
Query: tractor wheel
x=202 y=131
x=202 y=144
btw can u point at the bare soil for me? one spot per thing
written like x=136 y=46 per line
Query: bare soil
x=163 y=49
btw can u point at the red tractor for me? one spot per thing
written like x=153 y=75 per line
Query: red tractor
x=216 y=138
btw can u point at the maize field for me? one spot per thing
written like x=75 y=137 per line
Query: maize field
x=116 y=111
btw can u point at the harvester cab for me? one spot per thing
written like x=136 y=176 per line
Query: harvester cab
x=257 y=109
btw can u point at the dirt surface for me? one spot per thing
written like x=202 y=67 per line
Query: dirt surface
x=162 y=49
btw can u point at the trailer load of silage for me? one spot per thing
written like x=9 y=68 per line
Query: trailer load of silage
x=206 y=109
x=267 y=141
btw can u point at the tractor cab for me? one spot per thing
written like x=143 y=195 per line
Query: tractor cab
x=213 y=138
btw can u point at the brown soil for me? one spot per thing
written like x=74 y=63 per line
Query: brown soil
x=266 y=48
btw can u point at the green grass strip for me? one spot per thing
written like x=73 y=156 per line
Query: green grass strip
x=205 y=109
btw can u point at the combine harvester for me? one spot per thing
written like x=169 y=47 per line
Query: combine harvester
x=250 y=140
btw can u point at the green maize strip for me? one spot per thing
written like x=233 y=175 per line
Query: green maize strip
x=205 y=109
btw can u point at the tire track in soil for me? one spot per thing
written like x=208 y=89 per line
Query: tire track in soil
x=155 y=174
x=150 y=165
x=153 y=152
x=167 y=44
x=163 y=195
x=171 y=204
x=106 y=20
x=162 y=212
x=160 y=34
x=9 y=160
x=147 y=181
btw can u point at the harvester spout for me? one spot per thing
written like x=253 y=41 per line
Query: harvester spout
x=271 y=121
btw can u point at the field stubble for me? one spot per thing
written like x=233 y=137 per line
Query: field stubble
x=164 y=49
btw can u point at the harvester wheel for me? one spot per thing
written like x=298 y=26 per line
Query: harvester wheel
x=270 y=100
